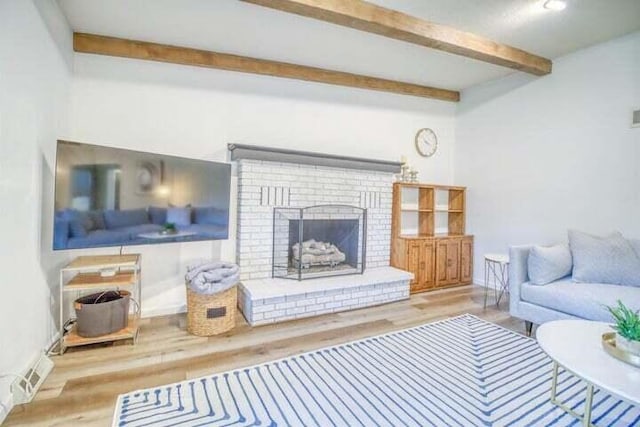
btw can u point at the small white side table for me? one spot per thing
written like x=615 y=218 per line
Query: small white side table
x=496 y=275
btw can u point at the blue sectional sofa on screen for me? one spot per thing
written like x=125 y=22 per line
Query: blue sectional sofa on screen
x=75 y=229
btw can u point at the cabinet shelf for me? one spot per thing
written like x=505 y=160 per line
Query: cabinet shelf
x=449 y=210
x=99 y=262
x=82 y=281
x=72 y=339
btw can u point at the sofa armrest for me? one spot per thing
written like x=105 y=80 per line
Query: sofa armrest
x=518 y=274
x=60 y=233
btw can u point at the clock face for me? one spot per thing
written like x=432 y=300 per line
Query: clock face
x=426 y=142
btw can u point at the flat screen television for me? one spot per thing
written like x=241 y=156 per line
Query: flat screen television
x=114 y=197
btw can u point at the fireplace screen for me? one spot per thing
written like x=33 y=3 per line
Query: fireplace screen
x=317 y=241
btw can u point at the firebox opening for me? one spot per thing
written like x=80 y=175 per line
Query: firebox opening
x=320 y=241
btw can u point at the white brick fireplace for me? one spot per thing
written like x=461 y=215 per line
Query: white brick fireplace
x=270 y=178
x=263 y=185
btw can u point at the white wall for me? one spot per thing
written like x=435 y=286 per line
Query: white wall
x=541 y=155
x=34 y=84
x=195 y=112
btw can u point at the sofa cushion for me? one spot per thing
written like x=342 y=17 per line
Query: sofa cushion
x=74 y=215
x=115 y=219
x=585 y=300
x=158 y=215
x=99 y=238
x=549 y=263
x=609 y=259
x=179 y=216
x=81 y=222
x=210 y=216
x=77 y=229
x=97 y=220
x=60 y=233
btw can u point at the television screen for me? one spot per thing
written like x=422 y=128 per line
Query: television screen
x=114 y=197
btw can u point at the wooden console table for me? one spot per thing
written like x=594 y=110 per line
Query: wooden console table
x=82 y=276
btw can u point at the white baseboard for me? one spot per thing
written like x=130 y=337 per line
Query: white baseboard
x=6 y=406
x=164 y=311
x=479 y=282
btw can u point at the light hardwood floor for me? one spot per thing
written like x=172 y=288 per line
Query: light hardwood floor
x=85 y=382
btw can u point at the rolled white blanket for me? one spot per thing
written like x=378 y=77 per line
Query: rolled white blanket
x=212 y=277
x=223 y=268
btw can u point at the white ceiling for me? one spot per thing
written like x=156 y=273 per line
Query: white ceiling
x=236 y=27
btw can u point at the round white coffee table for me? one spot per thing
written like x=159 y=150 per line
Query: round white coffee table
x=576 y=345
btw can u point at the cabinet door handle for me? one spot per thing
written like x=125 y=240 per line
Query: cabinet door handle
x=422 y=265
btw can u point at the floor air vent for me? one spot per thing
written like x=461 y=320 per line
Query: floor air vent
x=23 y=389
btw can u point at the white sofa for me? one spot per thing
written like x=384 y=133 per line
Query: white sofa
x=563 y=298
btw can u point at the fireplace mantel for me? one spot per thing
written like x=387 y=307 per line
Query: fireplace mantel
x=270 y=154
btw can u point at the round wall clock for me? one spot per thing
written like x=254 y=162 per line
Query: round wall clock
x=426 y=142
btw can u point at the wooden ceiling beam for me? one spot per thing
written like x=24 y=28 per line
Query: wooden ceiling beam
x=111 y=46
x=371 y=18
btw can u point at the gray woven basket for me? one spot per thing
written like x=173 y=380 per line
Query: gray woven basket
x=102 y=313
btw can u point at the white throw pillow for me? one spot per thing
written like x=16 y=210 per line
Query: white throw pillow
x=609 y=259
x=549 y=263
x=179 y=216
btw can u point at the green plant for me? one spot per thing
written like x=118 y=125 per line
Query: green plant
x=170 y=226
x=627 y=321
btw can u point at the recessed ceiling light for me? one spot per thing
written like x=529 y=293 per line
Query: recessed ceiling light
x=555 y=4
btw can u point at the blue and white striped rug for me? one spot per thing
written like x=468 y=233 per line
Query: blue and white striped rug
x=458 y=372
